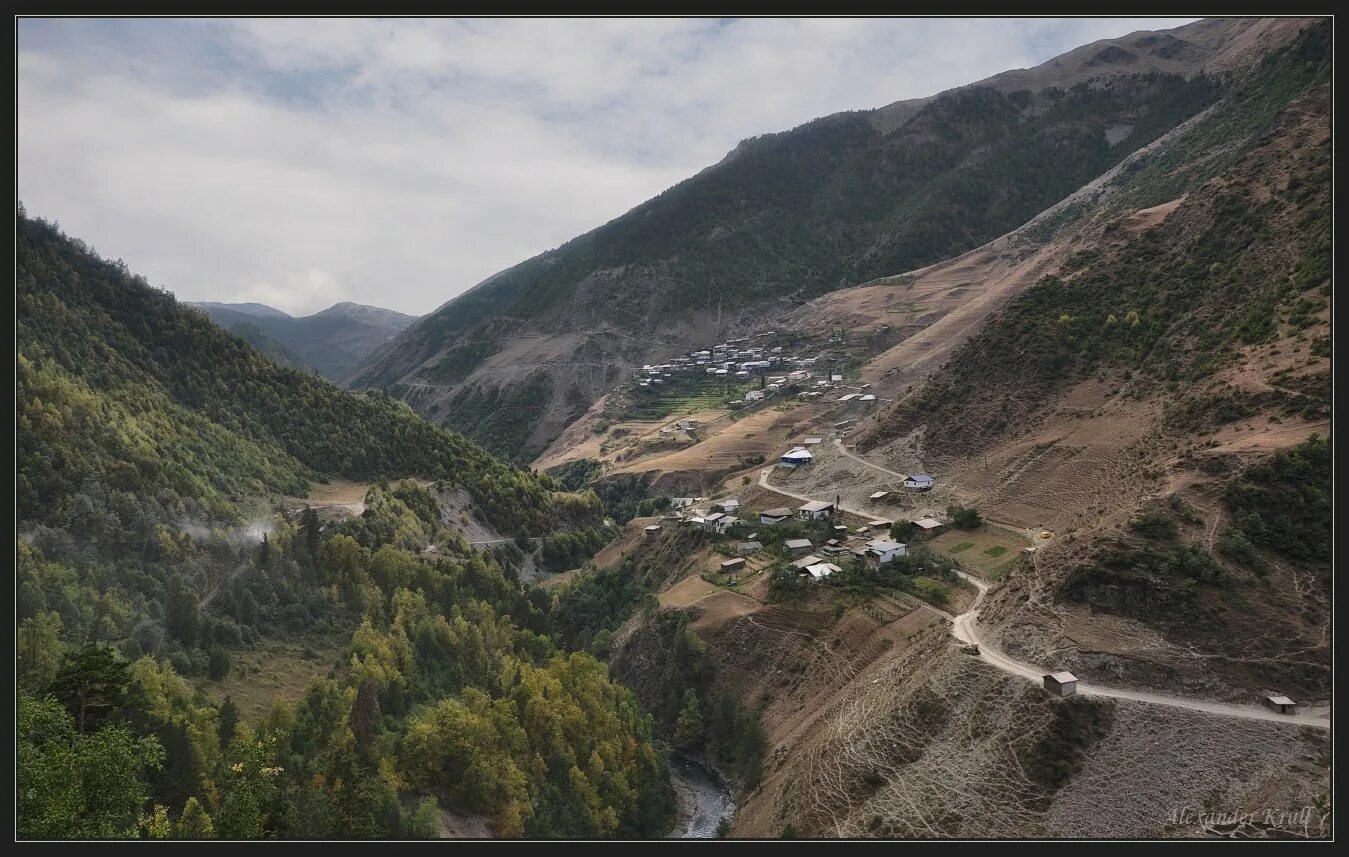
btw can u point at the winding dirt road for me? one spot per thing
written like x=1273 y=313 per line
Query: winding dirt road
x=965 y=629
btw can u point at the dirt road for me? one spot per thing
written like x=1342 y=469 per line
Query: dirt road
x=965 y=628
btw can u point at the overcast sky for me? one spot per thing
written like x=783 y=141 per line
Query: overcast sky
x=399 y=162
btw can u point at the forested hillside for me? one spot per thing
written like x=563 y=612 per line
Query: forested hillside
x=151 y=581
x=119 y=385
x=330 y=342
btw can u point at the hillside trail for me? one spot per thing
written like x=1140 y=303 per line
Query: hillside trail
x=964 y=628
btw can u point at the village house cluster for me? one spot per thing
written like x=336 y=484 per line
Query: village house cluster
x=743 y=359
x=870 y=543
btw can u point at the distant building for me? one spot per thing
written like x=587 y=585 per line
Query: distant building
x=798 y=547
x=1061 y=683
x=798 y=457
x=748 y=548
x=928 y=526
x=774 y=516
x=882 y=551
x=812 y=441
x=821 y=570
x=878 y=496
x=806 y=562
x=754 y=395
x=815 y=510
x=733 y=564
x=918 y=482
x=652 y=531
x=724 y=523
x=1281 y=704
x=729 y=505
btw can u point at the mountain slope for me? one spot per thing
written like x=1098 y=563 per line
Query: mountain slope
x=1142 y=395
x=787 y=217
x=169 y=628
x=331 y=342
x=118 y=383
x=260 y=310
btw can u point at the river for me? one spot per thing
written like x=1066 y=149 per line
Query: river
x=703 y=799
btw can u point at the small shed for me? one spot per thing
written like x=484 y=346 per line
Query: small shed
x=1281 y=704
x=652 y=531
x=774 y=516
x=812 y=441
x=733 y=564
x=798 y=547
x=1061 y=683
x=879 y=496
x=748 y=548
x=928 y=526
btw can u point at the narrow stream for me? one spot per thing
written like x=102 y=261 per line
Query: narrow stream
x=703 y=799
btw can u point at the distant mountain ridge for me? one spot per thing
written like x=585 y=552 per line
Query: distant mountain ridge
x=244 y=308
x=331 y=341
x=788 y=217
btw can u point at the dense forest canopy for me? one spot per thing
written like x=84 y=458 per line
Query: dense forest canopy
x=150 y=574
x=119 y=383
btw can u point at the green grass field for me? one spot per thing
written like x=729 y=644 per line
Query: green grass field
x=989 y=553
x=276 y=669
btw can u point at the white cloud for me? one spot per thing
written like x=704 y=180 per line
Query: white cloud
x=398 y=163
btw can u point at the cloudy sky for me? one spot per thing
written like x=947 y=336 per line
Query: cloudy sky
x=399 y=162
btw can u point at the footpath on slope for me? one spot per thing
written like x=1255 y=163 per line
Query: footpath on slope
x=965 y=629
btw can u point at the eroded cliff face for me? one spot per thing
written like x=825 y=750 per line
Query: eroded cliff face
x=918 y=739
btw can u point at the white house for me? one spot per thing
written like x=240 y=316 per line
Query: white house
x=918 y=482
x=815 y=510
x=730 y=505
x=710 y=521
x=774 y=516
x=882 y=551
x=754 y=395
x=821 y=570
x=724 y=523
x=796 y=458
